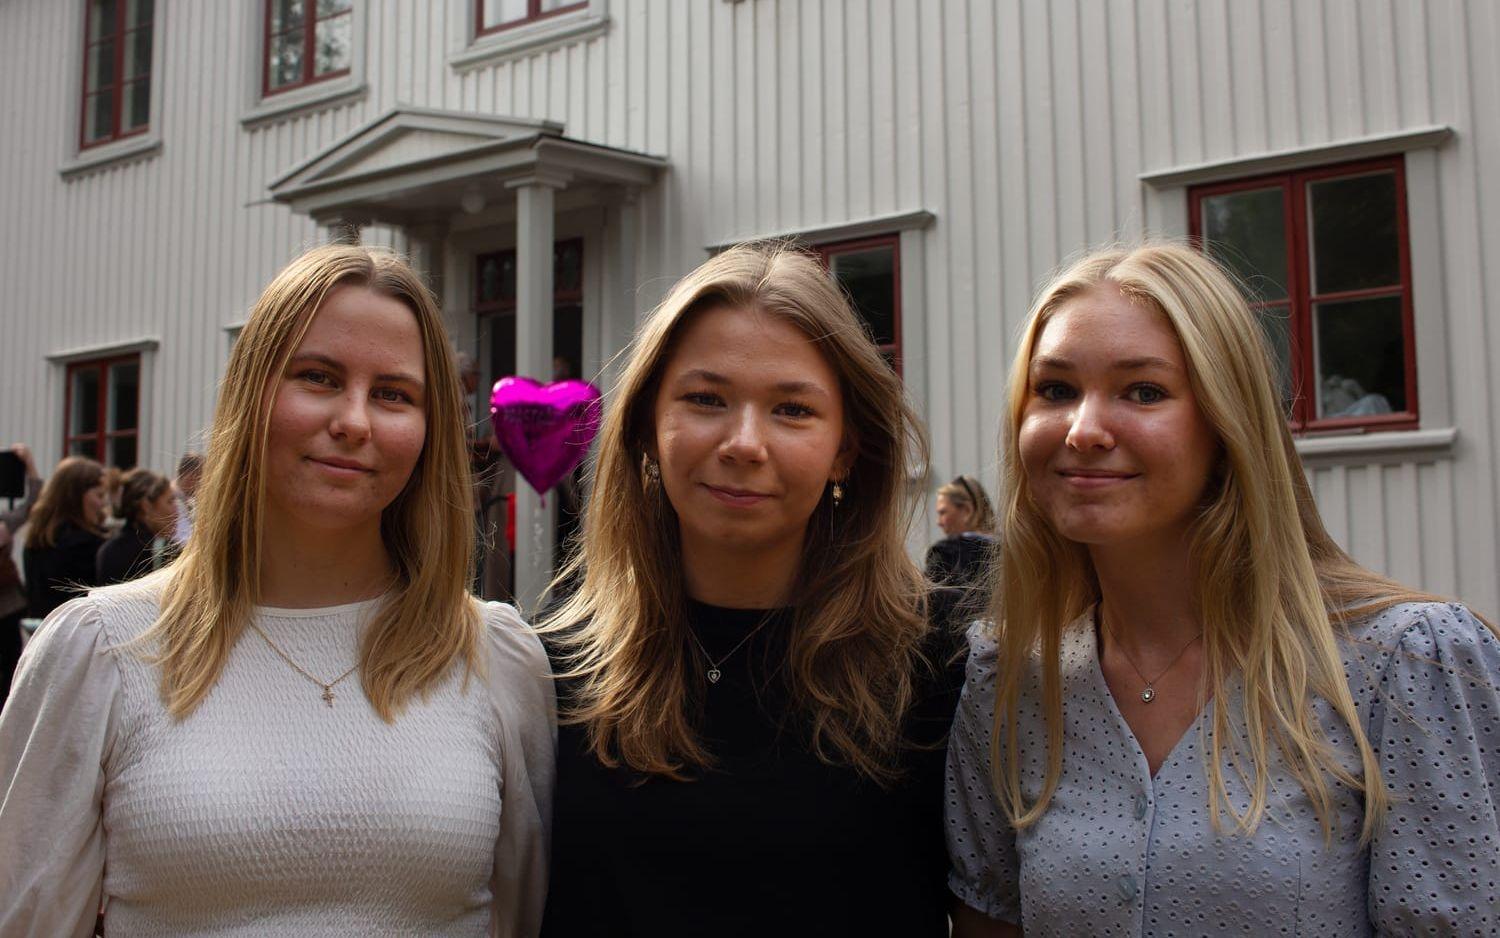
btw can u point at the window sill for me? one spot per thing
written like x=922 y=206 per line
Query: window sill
x=1382 y=446
x=94 y=159
x=494 y=48
x=104 y=350
x=289 y=104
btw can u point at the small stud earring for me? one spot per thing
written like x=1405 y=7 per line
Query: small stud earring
x=653 y=471
x=838 y=494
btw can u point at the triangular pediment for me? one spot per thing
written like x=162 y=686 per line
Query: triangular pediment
x=408 y=137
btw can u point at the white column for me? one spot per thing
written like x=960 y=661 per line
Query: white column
x=535 y=528
x=619 y=316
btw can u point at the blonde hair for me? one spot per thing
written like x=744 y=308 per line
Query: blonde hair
x=856 y=637
x=61 y=499
x=966 y=492
x=429 y=622
x=1273 y=590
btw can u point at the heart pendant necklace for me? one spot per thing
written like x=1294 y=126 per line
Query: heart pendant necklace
x=714 y=673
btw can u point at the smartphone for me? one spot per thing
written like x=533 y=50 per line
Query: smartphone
x=12 y=475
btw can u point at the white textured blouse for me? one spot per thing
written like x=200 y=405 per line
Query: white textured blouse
x=1121 y=852
x=269 y=811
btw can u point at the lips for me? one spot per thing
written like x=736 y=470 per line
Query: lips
x=736 y=497
x=334 y=463
x=1095 y=478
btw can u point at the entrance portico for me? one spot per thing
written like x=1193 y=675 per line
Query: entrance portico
x=430 y=173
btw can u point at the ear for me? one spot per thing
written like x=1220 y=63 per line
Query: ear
x=843 y=462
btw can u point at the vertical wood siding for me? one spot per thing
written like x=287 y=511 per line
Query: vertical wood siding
x=1022 y=125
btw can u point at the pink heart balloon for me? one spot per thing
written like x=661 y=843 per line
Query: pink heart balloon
x=545 y=429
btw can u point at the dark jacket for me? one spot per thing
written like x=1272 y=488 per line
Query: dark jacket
x=125 y=556
x=53 y=574
x=961 y=561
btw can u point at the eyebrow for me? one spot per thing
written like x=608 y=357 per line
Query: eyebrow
x=335 y=364
x=781 y=387
x=1123 y=364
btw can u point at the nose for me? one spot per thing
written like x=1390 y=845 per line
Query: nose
x=746 y=440
x=1090 y=426
x=351 y=417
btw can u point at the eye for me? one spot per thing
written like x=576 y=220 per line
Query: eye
x=1053 y=391
x=794 y=409
x=703 y=399
x=393 y=396
x=1147 y=394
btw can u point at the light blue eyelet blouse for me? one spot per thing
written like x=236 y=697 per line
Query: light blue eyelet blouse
x=1121 y=853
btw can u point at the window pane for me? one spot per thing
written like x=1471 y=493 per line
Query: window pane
x=567 y=268
x=870 y=277
x=138 y=12
x=549 y=5
x=1277 y=323
x=1246 y=232
x=332 y=46
x=99 y=66
x=138 y=53
x=1354 y=233
x=286 y=59
x=102 y=15
x=122 y=451
x=124 y=395
x=85 y=415
x=137 y=100
x=333 y=7
x=98 y=115
x=1361 y=357
x=286 y=14
x=497 y=12
x=87 y=447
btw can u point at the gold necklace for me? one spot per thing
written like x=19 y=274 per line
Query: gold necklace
x=1149 y=693
x=326 y=685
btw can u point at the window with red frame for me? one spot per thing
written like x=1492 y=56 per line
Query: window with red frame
x=870 y=270
x=1325 y=257
x=116 y=70
x=494 y=15
x=103 y=410
x=306 y=41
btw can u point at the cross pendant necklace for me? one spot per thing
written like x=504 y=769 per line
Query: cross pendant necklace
x=326 y=685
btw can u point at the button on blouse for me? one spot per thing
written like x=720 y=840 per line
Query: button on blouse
x=1119 y=852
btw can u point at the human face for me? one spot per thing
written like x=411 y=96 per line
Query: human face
x=348 y=422
x=160 y=513
x=953 y=519
x=96 y=504
x=1115 y=449
x=749 y=431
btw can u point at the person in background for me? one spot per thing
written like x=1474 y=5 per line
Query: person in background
x=66 y=531
x=148 y=506
x=305 y=725
x=964 y=513
x=1191 y=711
x=12 y=587
x=185 y=493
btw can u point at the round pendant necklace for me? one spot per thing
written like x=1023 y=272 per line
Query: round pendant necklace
x=714 y=673
x=1148 y=694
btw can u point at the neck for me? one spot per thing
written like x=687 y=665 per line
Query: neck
x=306 y=569
x=1147 y=594
x=756 y=577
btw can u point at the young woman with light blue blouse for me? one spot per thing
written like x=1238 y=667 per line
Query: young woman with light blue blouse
x=1192 y=713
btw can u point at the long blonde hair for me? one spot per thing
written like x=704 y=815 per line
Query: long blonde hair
x=429 y=622
x=1272 y=588
x=857 y=635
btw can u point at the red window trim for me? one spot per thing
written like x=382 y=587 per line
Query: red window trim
x=1300 y=298
x=534 y=12
x=102 y=435
x=309 y=27
x=559 y=296
x=117 y=83
x=825 y=254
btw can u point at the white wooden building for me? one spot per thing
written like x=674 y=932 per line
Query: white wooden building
x=161 y=161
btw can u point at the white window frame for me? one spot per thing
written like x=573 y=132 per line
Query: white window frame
x=78 y=160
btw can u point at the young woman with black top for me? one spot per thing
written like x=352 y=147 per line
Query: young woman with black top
x=65 y=532
x=753 y=700
x=149 y=507
x=961 y=558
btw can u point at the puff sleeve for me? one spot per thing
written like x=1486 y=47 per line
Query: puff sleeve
x=1435 y=725
x=56 y=737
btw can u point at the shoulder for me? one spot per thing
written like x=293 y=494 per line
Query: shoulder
x=71 y=639
x=514 y=663
x=127 y=610
x=71 y=537
x=1429 y=629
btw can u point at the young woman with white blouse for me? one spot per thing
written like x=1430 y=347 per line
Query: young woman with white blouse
x=305 y=725
x=1193 y=713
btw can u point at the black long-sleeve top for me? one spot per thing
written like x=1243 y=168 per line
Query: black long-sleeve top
x=124 y=556
x=771 y=840
x=53 y=574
